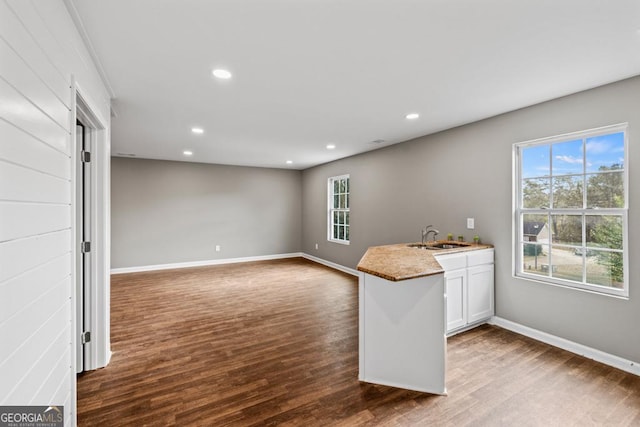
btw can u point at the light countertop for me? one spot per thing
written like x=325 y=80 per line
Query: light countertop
x=401 y=262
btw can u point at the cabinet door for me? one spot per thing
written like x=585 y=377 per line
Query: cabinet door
x=455 y=287
x=480 y=293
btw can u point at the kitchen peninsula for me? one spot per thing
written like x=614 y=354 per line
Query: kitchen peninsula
x=403 y=309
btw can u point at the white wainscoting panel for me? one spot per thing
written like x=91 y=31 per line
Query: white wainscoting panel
x=35 y=186
x=20 y=40
x=17 y=146
x=29 y=219
x=30 y=252
x=42 y=54
x=24 y=79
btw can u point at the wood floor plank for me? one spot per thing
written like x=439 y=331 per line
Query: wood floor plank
x=276 y=343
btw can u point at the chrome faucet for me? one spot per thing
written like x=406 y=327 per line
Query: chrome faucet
x=426 y=231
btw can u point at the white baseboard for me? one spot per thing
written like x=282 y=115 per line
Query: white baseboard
x=330 y=264
x=203 y=263
x=573 y=347
x=170 y=266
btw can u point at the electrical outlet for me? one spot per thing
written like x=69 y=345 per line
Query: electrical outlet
x=316 y=246
x=470 y=223
x=217 y=248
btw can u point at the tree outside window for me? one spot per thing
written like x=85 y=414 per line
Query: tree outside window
x=574 y=187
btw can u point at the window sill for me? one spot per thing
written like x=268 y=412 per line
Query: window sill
x=607 y=292
x=341 y=242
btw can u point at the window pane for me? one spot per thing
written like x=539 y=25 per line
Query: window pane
x=605 y=152
x=335 y=217
x=567 y=158
x=576 y=186
x=535 y=228
x=336 y=202
x=605 y=190
x=604 y=231
x=336 y=186
x=567 y=229
x=343 y=201
x=343 y=186
x=567 y=192
x=566 y=264
x=346 y=218
x=347 y=201
x=606 y=269
x=347 y=186
x=535 y=193
x=346 y=233
x=535 y=161
x=534 y=257
x=335 y=232
x=341 y=233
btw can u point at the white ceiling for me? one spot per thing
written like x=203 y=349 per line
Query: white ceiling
x=307 y=73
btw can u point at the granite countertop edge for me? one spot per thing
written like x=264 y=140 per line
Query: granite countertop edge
x=400 y=262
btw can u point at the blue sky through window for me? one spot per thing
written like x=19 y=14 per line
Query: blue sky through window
x=567 y=157
x=605 y=150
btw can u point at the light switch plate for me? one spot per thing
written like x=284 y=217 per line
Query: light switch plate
x=470 y=223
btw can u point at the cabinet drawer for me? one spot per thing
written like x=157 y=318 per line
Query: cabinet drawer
x=484 y=256
x=452 y=262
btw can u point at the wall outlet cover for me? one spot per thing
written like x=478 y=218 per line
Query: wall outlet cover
x=470 y=223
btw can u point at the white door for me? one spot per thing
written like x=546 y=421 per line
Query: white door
x=83 y=285
x=480 y=292
x=455 y=288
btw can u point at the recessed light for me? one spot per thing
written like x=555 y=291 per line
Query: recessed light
x=221 y=74
x=412 y=116
x=197 y=130
x=289 y=162
x=330 y=146
x=187 y=153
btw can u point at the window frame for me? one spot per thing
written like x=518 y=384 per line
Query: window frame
x=518 y=239
x=331 y=209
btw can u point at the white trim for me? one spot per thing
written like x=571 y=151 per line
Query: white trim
x=330 y=208
x=330 y=264
x=75 y=17
x=404 y=386
x=582 y=350
x=203 y=263
x=602 y=130
x=518 y=211
x=98 y=350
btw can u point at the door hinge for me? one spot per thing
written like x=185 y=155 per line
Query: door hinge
x=85 y=337
x=85 y=247
x=85 y=156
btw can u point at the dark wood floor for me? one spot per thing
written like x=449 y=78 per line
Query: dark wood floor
x=276 y=343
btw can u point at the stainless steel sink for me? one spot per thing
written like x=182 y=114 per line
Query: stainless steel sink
x=439 y=245
x=421 y=246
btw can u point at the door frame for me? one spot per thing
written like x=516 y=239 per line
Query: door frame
x=98 y=350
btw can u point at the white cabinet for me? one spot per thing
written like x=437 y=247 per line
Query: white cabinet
x=468 y=281
x=479 y=293
x=401 y=339
x=455 y=283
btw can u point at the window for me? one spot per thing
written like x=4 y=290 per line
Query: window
x=570 y=203
x=339 y=209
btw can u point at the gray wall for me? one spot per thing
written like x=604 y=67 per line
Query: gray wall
x=467 y=172
x=168 y=212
